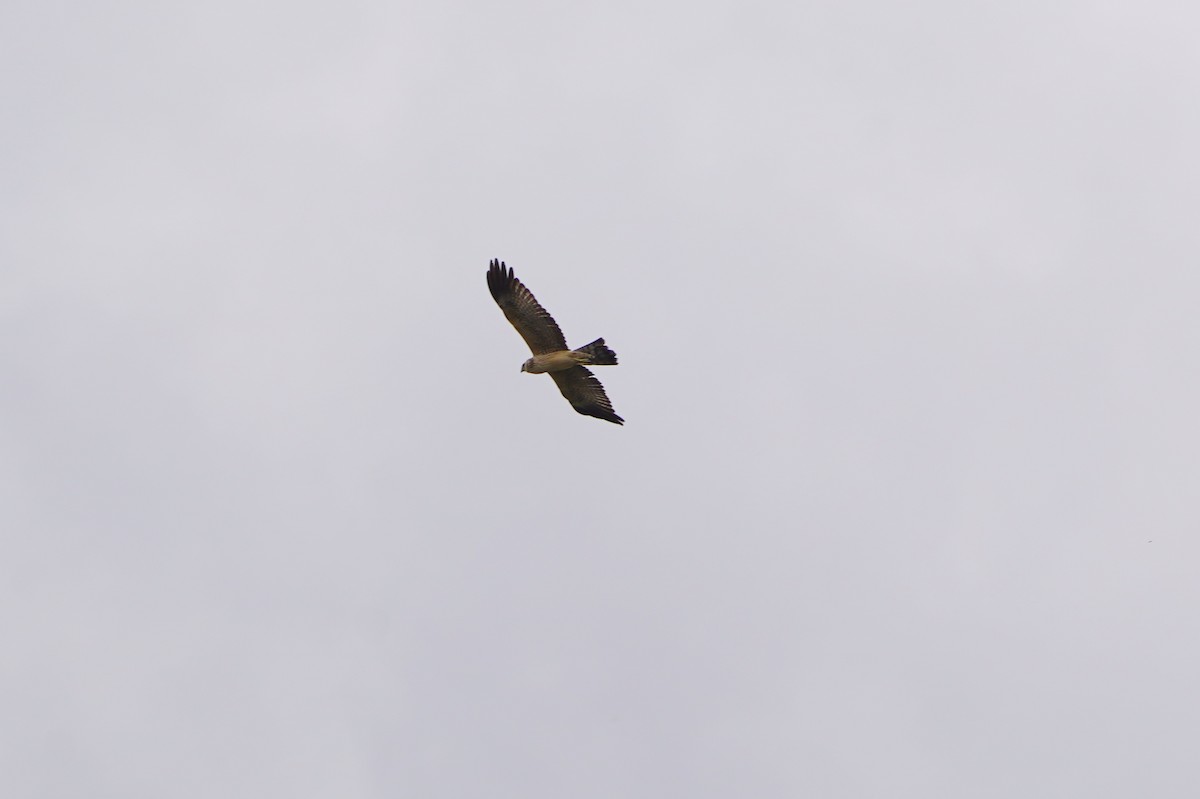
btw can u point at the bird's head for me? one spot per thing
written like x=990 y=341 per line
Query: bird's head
x=527 y=366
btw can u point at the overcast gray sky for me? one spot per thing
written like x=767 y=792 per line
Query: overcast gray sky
x=905 y=297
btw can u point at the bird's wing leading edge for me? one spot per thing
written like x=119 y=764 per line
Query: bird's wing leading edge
x=532 y=321
x=586 y=395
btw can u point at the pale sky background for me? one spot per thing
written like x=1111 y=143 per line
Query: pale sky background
x=905 y=296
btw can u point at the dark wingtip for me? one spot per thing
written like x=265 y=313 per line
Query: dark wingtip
x=601 y=413
x=498 y=278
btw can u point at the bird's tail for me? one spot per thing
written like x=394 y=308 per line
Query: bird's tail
x=598 y=354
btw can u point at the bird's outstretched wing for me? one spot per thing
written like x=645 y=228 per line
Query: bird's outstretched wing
x=532 y=321
x=586 y=395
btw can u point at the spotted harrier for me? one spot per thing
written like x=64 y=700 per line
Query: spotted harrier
x=550 y=352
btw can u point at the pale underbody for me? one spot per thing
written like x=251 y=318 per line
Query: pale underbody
x=555 y=361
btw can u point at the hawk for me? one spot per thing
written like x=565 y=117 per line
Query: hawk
x=550 y=352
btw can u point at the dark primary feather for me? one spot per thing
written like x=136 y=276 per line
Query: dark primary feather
x=531 y=320
x=586 y=395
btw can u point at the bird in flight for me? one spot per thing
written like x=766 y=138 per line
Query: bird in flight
x=550 y=352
